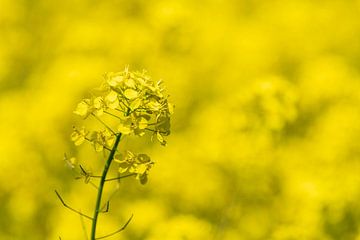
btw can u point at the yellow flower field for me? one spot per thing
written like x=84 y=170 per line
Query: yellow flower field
x=265 y=135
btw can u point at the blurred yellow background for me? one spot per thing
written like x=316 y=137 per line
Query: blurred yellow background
x=265 y=139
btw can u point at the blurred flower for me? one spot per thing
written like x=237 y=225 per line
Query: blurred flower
x=79 y=136
x=101 y=139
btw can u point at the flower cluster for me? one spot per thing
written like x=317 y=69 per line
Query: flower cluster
x=137 y=104
x=137 y=164
x=99 y=139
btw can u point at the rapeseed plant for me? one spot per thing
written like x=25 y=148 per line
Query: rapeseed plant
x=137 y=105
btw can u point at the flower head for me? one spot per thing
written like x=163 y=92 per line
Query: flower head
x=137 y=105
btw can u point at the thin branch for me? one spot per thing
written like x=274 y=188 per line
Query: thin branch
x=85 y=174
x=88 y=176
x=82 y=174
x=94 y=176
x=83 y=170
x=152 y=130
x=117 y=231
x=105 y=147
x=109 y=113
x=117 y=178
x=72 y=209
x=91 y=183
x=120 y=110
x=127 y=105
x=123 y=96
x=94 y=185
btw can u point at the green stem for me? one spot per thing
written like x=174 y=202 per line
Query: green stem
x=101 y=186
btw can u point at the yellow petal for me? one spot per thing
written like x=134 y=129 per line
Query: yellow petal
x=79 y=141
x=111 y=97
x=154 y=105
x=131 y=93
x=73 y=161
x=141 y=169
x=99 y=112
x=130 y=83
x=110 y=141
x=135 y=104
x=124 y=129
x=122 y=170
x=114 y=81
x=74 y=136
x=142 y=123
x=98 y=147
x=82 y=109
x=171 y=108
x=98 y=102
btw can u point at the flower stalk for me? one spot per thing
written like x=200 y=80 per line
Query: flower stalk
x=101 y=186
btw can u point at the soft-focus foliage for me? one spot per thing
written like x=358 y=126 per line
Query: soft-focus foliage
x=265 y=137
